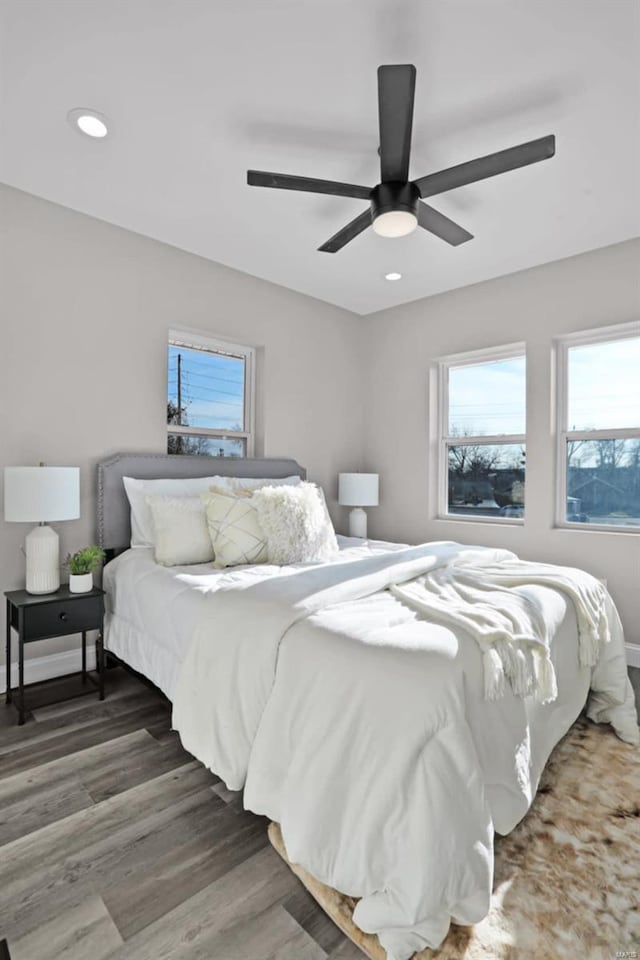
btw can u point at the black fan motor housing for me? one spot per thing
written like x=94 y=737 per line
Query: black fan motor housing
x=394 y=196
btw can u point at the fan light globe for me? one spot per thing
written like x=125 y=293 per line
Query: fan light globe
x=395 y=223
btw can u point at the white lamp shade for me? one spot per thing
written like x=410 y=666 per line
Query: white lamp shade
x=41 y=494
x=358 y=489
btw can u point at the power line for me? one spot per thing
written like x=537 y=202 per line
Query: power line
x=205 y=376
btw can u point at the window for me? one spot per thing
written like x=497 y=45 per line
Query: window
x=482 y=434
x=209 y=396
x=599 y=428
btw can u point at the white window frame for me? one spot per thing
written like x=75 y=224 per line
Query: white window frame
x=443 y=365
x=199 y=341
x=562 y=345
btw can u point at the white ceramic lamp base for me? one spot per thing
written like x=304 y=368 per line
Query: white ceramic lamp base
x=42 y=550
x=358 y=523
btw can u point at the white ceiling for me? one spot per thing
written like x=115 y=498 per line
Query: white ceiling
x=198 y=91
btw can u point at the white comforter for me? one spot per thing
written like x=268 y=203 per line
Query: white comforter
x=363 y=730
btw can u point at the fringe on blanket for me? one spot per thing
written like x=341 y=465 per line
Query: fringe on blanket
x=529 y=672
x=513 y=638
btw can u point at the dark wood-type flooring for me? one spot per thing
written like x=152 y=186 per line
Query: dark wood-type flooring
x=115 y=843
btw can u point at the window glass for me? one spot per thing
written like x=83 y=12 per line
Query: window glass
x=487 y=399
x=205 y=389
x=603 y=481
x=195 y=444
x=486 y=480
x=604 y=385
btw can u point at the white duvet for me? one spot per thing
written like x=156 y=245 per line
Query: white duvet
x=363 y=729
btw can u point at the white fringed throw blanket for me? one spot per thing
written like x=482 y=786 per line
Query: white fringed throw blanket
x=507 y=626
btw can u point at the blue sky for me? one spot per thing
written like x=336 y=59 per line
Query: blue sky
x=489 y=398
x=598 y=400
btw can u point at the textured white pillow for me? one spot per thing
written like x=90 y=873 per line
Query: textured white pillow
x=234 y=529
x=296 y=523
x=180 y=529
x=142 y=534
x=252 y=483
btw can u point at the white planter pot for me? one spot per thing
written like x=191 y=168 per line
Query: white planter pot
x=80 y=582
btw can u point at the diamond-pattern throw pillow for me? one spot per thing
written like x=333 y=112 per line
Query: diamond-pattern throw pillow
x=235 y=530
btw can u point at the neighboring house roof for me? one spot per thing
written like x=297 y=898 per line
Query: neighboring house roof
x=594 y=480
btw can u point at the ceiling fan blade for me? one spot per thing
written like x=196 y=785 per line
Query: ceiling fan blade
x=283 y=181
x=441 y=226
x=396 y=91
x=342 y=237
x=489 y=166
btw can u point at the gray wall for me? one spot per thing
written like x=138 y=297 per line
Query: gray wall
x=85 y=310
x=580 y=293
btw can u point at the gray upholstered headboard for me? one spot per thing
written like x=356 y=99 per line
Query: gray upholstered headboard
x=114 y=530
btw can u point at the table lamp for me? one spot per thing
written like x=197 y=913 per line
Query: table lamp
x=358 y=490
x=37 y=495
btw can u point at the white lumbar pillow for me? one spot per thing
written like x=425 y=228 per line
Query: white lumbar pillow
x=181 y=534
x=234 y=529
x=296 y=522
x=142 y=533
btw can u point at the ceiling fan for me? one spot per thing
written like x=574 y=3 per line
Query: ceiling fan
x=396 y=206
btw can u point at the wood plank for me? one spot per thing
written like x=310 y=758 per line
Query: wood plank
x=89 y=712
x=270 y=935
x=145 y=761
x=58 y=697
x=85 y=930
x=347 y=950
x=188 y=931
x=312 y=918
x=41 y=806
x=81 y=762
x=63 y=742
x=42 y=872
x=175 y=862
x=34 y=798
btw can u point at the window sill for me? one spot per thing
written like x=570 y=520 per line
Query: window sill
x=464 y=518
x=598 y=528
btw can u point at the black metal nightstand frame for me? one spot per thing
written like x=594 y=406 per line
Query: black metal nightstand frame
x=39 y=617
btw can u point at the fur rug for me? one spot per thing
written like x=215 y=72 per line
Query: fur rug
x=567 y=879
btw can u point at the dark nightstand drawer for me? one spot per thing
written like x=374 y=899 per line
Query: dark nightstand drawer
x=62 y=617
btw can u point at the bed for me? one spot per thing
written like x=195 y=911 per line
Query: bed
x=346 y=715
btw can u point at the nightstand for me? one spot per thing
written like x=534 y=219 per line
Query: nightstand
x=39 y=617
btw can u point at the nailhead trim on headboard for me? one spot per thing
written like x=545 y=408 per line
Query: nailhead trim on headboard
x=113 y=507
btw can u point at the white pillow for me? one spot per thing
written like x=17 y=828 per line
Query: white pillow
x=296 y=523
x=142 y=534
x=234 y=529
x=252 y=483
x=180 y=528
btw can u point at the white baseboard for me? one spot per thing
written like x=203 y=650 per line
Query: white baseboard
x=633 y=654
x=53 y=665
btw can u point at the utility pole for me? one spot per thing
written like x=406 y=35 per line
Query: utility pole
x=180 y=388
x=180 y=399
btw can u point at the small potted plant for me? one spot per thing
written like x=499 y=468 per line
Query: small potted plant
x=81 y=566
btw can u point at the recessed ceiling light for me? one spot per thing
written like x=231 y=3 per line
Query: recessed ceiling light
x=393 y=276
x=89 y=122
